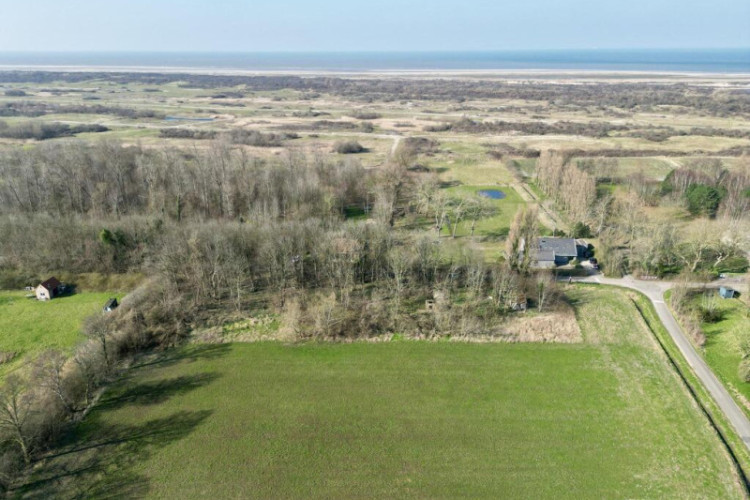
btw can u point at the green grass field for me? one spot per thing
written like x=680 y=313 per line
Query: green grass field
x=28 y=326
x=496 y=224
x=722 y=350
x=605 y=418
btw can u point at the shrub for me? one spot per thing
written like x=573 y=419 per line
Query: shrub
x=366 y=115
x=702 y=199
x=744 y=370
x=41 y=131
x=738 y=264
x=259 y=139
x=186 y=133
x=711 y=315
x=442 y=127
x=580 y=230
x=348 y=147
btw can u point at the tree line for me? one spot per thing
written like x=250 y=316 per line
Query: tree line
x=108 y=179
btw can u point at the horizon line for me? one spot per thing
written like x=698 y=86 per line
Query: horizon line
x=366 y=51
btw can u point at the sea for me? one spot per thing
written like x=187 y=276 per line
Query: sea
x=644 y=60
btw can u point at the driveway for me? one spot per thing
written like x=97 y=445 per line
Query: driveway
x=654 y=290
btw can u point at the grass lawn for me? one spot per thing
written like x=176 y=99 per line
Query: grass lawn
x=722 y=349
x=604 y=418
x=496 y=225
x=468 y=163
x=28 y=326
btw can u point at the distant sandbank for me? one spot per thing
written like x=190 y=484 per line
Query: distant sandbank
x=502 y=74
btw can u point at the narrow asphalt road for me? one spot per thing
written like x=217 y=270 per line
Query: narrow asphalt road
x=654 y=290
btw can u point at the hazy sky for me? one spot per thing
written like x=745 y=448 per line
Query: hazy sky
x=349 y=25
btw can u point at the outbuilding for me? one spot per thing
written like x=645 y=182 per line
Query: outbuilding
x=111 y=305
x=727 y=292
x=49 y=289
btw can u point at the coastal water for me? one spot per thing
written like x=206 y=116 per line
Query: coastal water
x=697 y=60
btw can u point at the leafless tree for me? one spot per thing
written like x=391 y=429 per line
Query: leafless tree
x=16 y=409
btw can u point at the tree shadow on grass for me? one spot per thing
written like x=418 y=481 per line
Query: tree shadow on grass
x=495 y=234
x=102 y=467
x=153 y=392
x=189 y=354
x=98 y=459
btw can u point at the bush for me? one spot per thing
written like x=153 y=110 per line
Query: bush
x=702 y=199
x=14 y=279
x=443 y=127
x=744 y=370
x=737 y=264
x=41 y=131
x=365 y=115
x=711 y=315
x=186 y=133
x=580 y=230
x=260 y=139
x=348 y=147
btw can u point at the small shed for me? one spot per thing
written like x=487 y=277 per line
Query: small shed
x=48 y=289
x=111 y=305
x=727 y=292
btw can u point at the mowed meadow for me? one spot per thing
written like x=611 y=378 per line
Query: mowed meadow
x=28 y=326
x=603 y=418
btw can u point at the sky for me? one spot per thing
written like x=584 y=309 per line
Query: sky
x=376 y=25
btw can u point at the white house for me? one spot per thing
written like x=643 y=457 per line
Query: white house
x=48 y=290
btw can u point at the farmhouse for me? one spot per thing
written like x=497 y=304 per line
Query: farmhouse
x=551 y=252
x=48 y=289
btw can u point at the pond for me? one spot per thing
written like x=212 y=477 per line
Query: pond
x=186 y=119
x=493 y=194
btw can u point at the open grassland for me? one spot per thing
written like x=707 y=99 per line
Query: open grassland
x=28 y=326
x=467 y=163
x=498 y=222
x=604 y=418
x=723 y=350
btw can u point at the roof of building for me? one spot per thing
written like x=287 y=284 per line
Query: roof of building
x=111 y=303
x=545 y=255
x=562 y=247
x=51 y=283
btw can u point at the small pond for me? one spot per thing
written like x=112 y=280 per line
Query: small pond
x=186 y=119
x=493 y=194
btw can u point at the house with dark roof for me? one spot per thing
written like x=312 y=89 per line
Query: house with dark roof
x=49 y=289
x=552 y=252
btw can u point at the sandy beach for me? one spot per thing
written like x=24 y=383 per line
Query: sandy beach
x=548 y=75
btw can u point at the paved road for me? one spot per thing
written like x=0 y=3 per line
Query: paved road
x=654 y=290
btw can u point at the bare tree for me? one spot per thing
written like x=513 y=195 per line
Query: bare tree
x=545 y=287
x=521 y=241
x=16 y=408
x=49 y=372
x=98 y=328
